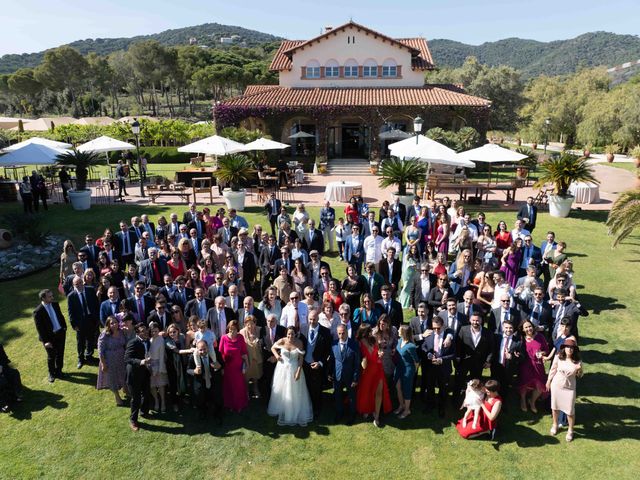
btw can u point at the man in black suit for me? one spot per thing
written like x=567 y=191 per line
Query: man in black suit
x=399 y=209
x=369 y=223
x=247 y=261
x=199 y=225
x=136 y=359
x=391 y=270
x=87 y=264
x=468 y=304
x=452 y=319
x=528 y=213
x=154 y=268
x=125 y=245
x=78 y=271
x=317 y=348
x=438 y=349
x=420 y=326
x=413 y=210
x=313 y=239
x=83 y=309
x=140 y=305
x=507 y=354
x=536 y=309
x=207 y=381
x=391 y=307
x=566 y=307
x=181 y=295
x=91 y=249
x=248 y=308
x=199 y=306
x=268 y=257
x=474 y=349
x=285 y=260
x=272 y=333
x=273 y=207
x=191 y=214
x=51 y=328
x=503 y=313
x=344 y=372
x=161 y=316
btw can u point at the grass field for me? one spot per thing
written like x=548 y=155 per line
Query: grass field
x=70 y=430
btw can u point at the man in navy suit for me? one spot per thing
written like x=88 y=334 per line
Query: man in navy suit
x=505 y=312
x=181 y=295
x=439 y=349
x=154 y=268
x=528 y=213
x=531 y=256
x=413 y=210
x=536 y=309
x=83 y=316
x=273 y=207
x=354 y=249
x=285 y=261
x=317 y=346
x=136 y=358
x=313 y=239
x=507 y=354
x=125 y=245
x=91 y=248
x=344 y=368
x=110 y=306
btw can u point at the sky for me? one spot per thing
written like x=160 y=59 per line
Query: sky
x=35 y=25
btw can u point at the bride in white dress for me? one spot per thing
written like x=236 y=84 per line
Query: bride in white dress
x=290 y=400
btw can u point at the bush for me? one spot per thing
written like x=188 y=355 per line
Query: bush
x=25 y=227
x=159 y=155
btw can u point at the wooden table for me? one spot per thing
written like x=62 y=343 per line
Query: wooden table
x=155 y=193
x=462 y=189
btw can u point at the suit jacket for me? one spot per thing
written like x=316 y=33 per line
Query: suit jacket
x=395 y=314
x=212 y=291
x=249 y=268
x=460 y=321
x=240 y=299
x=154 y=317
x=524 y=213
x=435 y=298
x=146 y=269
x=374 y=290
x=153 y=233
x=282 y=235
x=203 y=227
x=535 y=254
x=268 y=257
x=521 y=280
x=416 y=293
x=313 y=241
x=78 y=317
x=462 y=308
x=344 y=366
x=366 y=227
x=415 y=324
x=191 y=308
x=92 y=252
x=106 y=310
x=447 y=354
x=412 y=211
x=176 y=297
x=43 y=322
x=477 y=355
x=396 y=274
x=258 y=314
x=572 y=310
x=148 y=306
x=212 y=319
x=542 y=318
x=134 y=353
x=402 y=210
x=321 y=346
x=280 y=332
x=188 y=217
x=233 y=232
x=140 y=254
x=281 y=262
x=497 y=314
x=352 y=254
x=273 y=212
x=137 y=233
x=517 y=346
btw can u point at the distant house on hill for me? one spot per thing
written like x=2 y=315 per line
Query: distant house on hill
x=345 y=87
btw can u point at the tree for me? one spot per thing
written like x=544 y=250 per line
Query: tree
x=63 y=68
x=24 y=85
x=624 y=216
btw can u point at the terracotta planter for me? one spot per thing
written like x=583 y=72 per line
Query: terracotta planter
x=534 y=145
x=610 y=157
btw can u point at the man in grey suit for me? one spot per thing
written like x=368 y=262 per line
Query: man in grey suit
x=503 y=313
x=219 y=317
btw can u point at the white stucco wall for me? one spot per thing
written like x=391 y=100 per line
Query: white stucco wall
x=366 y=47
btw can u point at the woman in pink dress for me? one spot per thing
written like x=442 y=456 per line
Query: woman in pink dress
x=532 y=375
x=236 y=360
x=488 y=418
x=442 y=237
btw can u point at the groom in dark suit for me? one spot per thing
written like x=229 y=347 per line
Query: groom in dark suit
x=317 y=348
x=52 y=328
x=136 y=357
x=344 y=368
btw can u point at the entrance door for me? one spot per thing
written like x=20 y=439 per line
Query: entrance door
x=351 y=140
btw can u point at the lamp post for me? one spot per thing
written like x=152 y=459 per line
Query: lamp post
x=135 y=128
x=417 y=127
x=546 y=134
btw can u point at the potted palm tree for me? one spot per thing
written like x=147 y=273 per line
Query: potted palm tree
x=234 y=171
x=611 y=151
x=562 y=171
x=401 y=172
x=623 y=217
x=80 y=197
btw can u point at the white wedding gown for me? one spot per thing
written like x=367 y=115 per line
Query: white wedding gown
x=290 y=400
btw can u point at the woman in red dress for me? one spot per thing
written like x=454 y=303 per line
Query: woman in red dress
x=488 y=418
x=176 y=265
x=502 y=237
x=351 y=212
x=372 y=394
x=334 y=294
x=236 y=361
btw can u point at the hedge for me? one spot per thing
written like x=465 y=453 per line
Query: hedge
x=159 y=155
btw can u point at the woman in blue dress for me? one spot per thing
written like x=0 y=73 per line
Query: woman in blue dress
x=424 y=224
x=368 y=312
x=405 y=371
x=411 y=235
x=410 y=266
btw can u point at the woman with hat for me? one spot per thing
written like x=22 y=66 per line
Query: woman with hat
x=561 y=383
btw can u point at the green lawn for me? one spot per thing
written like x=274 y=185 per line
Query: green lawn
x=70 y=430
x=629 y=166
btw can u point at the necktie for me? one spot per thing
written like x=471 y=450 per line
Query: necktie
x=140 y=310
x=85 y=307
x=272 y=335
x=423 y=326
x=388 y=308
x=127 y=245
x=312 y=335
x=207 y=375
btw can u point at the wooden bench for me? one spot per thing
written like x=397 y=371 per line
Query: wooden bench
x=154 y=193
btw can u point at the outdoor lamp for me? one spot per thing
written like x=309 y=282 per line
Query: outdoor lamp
x=417 y=126
x=135 y=128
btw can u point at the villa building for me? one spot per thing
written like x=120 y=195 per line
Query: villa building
x=345 y=87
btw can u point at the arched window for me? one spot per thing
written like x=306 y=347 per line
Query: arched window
x=312 y=69
x=351 y=68
x=389 y=68
x=331 y=69
x=370 y=68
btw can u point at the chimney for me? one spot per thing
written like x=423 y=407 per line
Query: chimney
x=328 y=28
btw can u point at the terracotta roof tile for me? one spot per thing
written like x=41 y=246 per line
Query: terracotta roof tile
x=431 y=95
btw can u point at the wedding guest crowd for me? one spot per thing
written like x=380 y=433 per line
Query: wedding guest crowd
x=213 y=311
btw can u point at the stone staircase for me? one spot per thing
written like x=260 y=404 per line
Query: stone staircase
x=347 y=167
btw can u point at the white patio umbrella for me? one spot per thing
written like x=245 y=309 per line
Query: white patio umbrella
x=265 y=144
x=31 y=154
x=427 y=150
x=214 y=145
x=38 y=141
x=492 y=153
x=394 y=134
x=302 y=134
x=105 y=144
